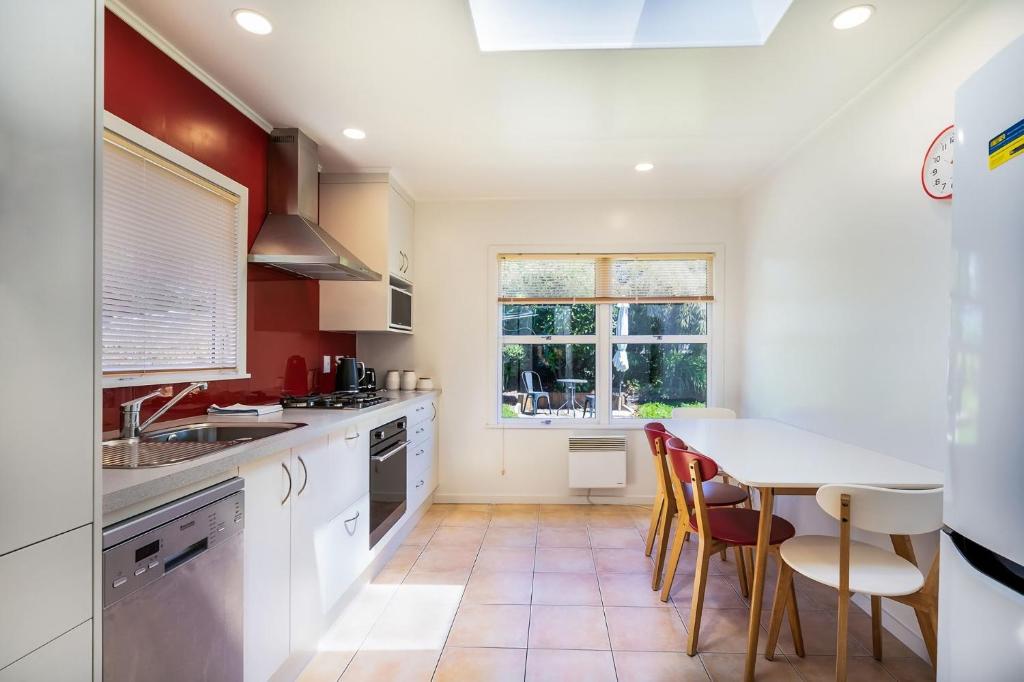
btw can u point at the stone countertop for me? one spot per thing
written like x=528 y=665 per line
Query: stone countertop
x=126 y=487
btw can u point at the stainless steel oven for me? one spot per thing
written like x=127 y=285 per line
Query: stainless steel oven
x=400 y=306
x=172 y=590
x=387 y=477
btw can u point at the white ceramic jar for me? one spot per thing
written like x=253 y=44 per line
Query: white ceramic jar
x=425 y=384
x=408 y=380
x=392 y=380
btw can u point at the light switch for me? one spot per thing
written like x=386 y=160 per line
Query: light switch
x=327 y=364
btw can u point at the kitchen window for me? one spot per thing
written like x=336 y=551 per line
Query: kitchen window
x=174 y=236
x=603 y=338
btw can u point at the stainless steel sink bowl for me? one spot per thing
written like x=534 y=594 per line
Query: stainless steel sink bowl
x=174 y=445
x=208 y=432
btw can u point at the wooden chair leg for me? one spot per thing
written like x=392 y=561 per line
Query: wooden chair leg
x=700 y=582
x=673 y=560
x=656 y=513
x=741 y=571
x=782 y=587
x=661 y=551
x=842 y=617
x=794 y=617
x=876 y=627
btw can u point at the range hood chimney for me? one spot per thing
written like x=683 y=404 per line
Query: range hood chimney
x=290 y=239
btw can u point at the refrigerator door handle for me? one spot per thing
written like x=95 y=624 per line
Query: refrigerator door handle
x=987 y=562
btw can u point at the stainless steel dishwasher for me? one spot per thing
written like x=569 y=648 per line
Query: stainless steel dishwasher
x=172 y=593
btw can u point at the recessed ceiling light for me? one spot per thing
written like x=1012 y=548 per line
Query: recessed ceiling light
x=852 y=17
x=253 y=22
x=354 y=133
x=644 y=167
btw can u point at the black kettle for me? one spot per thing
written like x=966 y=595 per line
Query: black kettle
x=350 y=373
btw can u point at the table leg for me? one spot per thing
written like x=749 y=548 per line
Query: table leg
x=760 y=568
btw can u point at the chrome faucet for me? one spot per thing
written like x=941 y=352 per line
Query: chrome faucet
x=130 y=411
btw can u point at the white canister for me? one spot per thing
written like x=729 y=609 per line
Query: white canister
x=392 y=380
x=425 y=384
x=408 y=380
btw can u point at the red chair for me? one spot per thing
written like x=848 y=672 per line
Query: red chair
x=666 y=507
x=719 y=528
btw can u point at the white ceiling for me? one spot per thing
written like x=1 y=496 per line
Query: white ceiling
x=456 y=123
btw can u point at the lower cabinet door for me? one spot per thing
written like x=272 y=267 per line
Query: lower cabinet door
x=268 y=492
x=347 y=551
x=421 y=457
x=66 y=659
x=419 y=488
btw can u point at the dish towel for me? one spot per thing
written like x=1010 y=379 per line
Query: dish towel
x=239 y=408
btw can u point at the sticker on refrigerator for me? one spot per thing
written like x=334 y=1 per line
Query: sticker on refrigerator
x=1006 y=145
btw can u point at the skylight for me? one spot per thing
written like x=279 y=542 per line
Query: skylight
x=510 y=25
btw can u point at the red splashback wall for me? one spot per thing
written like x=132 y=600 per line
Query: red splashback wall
x=148 y=89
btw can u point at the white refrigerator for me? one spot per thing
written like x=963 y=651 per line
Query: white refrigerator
x=981 y=577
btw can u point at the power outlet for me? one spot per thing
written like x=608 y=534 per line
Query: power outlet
x=327 y=364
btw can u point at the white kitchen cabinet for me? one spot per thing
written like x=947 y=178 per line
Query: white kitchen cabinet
x=269 y=487
x=346 y=542
x=350 y=450
x=47 y=590
x=47 y=272
x=66 y=659
x=418 y=487
x=314 y=505
x=421 y=457
x=372 y=216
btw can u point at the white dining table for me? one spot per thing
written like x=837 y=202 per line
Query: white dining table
x=778 y=459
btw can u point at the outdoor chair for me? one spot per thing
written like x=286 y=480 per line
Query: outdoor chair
x=534 y=391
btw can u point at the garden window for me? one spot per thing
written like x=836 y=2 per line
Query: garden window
x=173 y=302
x=603 y=337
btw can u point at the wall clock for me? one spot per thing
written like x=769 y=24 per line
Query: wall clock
x=937 y=169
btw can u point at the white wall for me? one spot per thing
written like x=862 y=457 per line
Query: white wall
x=848 y=264
x=453 y=337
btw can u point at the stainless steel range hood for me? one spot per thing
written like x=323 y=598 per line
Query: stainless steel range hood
x=290 y=239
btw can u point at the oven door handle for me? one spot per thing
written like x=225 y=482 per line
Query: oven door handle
x=391 y=453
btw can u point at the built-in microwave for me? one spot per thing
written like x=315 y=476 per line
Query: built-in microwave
x=400 y=306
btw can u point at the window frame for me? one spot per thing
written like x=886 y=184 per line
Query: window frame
x=160 y=148
x=603 y=339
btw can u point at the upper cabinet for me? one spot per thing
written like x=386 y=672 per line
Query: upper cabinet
x=373 y=217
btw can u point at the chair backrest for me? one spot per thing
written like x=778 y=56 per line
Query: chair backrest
x=885 y=510
x=703 y=413
x=656 y=436
x=679 y=458
x=528 y=376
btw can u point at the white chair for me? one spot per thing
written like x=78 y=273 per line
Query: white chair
x=703 y=413
x=851 y=566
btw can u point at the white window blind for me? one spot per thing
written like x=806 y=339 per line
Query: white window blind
x=606 y=278
x=171 y=267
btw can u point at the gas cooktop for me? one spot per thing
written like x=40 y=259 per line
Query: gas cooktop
x=335 y=401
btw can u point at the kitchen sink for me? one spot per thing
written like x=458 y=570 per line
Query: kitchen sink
x=163 y=447
x=215 y=433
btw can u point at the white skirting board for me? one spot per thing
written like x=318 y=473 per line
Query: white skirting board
x=470 y=498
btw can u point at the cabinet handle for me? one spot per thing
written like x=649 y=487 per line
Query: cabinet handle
x=305 y=476
x=355 y=437
x=348 y=521
x=420 y=484
x=434 y=408
x=420 y=452
x=289 y=474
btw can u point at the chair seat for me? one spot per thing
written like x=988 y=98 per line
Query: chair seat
x=738 y=526
x=718 y=494
x=873 y=570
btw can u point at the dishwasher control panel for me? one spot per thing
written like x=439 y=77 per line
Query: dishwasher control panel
x=141 y=559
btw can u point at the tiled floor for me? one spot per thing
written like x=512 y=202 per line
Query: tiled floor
x=482 y=593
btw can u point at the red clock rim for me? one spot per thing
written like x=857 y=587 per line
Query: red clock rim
x=924 y=163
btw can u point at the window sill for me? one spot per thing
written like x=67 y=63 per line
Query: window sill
x=571 y=424
x=165 y=378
